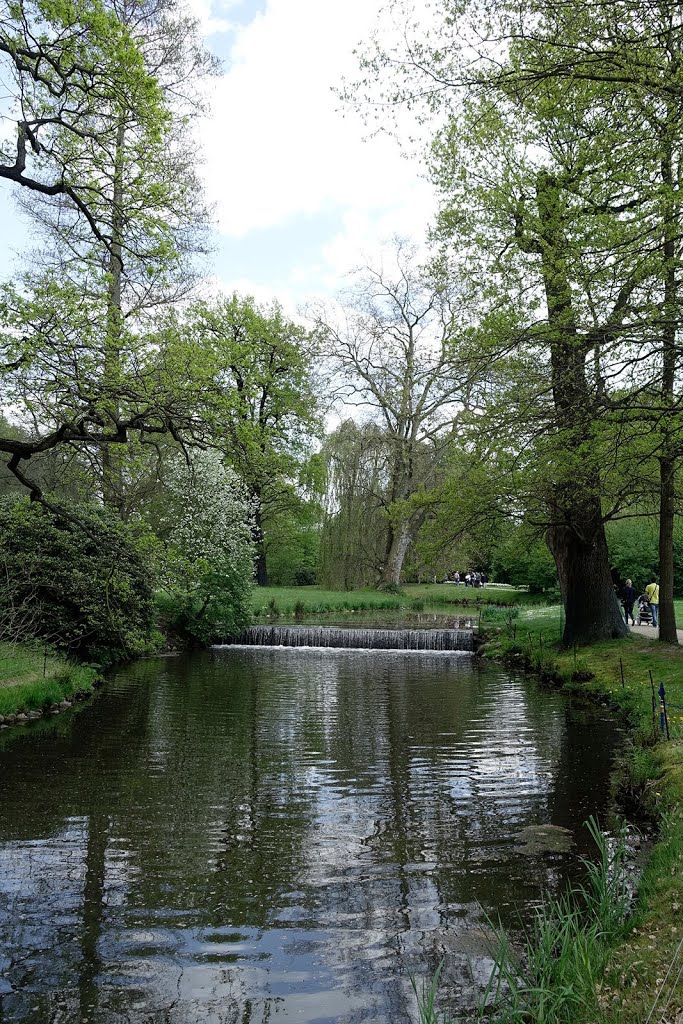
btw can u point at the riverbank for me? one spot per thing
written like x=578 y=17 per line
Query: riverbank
x=33 y=683
x=644 y=977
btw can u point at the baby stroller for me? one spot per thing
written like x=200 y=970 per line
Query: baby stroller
x=644 y=613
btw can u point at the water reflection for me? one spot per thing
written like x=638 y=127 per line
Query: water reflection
x=252 y=833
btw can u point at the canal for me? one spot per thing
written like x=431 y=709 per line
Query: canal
x=248 y=834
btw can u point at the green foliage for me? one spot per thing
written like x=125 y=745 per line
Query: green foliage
x=491 y=613
x=523 y=559
x=31 y=678
x=79 y=578
x=634 y=550
x=556 y=979
x=293 y=546
x=264 y=416
x=354 y=535
x=557 y=976
x=207 y=565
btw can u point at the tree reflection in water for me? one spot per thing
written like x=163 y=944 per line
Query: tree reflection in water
x=248 y=833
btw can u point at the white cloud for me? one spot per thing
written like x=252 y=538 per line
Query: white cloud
x=211 y=22
x=278 y=147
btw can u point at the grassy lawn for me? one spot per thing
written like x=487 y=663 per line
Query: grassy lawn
x=414 y=597
x=28 y=680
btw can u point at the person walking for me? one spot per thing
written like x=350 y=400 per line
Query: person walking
x=628 y=598
x=652 y=591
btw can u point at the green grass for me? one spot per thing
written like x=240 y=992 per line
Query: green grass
x=30 y=680
x=413 y=597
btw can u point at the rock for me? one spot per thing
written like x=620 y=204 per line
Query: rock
x=21 y=717
x=537 y=839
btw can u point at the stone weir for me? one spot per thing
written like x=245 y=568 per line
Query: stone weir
x=364 y=639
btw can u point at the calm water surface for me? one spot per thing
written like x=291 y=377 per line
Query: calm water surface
x=255 y=834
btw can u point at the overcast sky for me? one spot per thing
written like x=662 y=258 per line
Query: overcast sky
x=301 y=196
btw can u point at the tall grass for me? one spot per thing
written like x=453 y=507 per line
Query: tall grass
x=554 y=978
x=31 y=679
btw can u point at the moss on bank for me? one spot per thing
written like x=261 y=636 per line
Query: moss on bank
x=644 y=977
x=30 y=680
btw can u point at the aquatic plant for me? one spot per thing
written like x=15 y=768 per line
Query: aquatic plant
x=555 y=977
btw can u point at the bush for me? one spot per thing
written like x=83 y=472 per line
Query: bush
x=207 y=568
x=76 y=578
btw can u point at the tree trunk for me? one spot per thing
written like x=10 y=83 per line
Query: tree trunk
x=400 y=539
x=592 y=610
x=576 y=534
x=112 y=468
x=261 y=566
x=667 y=614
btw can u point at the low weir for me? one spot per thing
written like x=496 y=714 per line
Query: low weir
x=364 y=639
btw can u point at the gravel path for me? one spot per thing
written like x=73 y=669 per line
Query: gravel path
x=652 y=632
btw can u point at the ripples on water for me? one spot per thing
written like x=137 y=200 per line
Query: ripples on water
x=257 y=833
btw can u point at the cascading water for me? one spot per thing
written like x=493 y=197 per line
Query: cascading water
x=364 y=639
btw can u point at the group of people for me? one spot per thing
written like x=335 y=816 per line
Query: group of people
x=470 y=578
x=647 y=602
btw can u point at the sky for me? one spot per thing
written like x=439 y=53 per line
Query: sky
x=301 y=194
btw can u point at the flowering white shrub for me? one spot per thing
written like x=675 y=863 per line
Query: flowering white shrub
x=209 y=561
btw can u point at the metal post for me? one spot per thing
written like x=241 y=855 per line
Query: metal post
x=663 y=719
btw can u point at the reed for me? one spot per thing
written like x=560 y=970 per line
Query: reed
x=554 y=978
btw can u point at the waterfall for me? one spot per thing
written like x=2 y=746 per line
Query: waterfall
x=367 y=639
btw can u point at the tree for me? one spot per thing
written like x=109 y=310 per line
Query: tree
x=207 y=566
x=103 y=269
x=52 y=371
x=266 y=416
x=73 y=67
x=354 y=535
x=393 y=345
x=548 y=173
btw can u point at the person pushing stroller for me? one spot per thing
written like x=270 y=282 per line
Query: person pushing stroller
x=644 y=613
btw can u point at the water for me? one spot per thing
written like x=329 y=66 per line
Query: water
x=360 y=638
x=256 y=834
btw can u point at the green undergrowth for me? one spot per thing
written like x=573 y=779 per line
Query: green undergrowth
x=643 y=979
x=31 y=679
